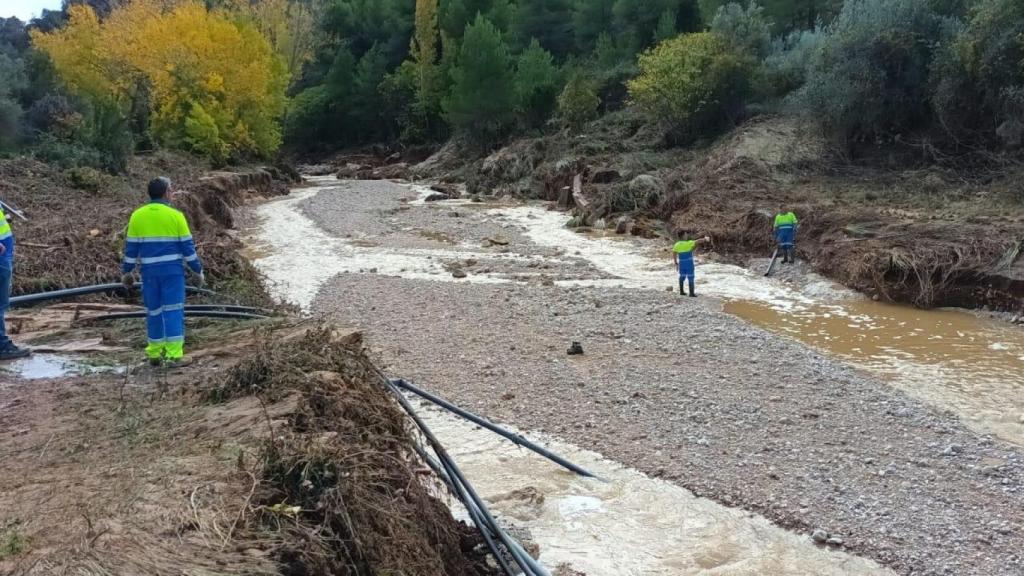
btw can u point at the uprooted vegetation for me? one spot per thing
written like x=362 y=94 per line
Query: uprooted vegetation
x=295 y=460
x=75 y=237
x=367 y=504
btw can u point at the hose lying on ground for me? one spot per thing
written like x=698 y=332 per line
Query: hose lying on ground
x=28 y=299
x=515 y=438
x=477 y=509
x=188 y=314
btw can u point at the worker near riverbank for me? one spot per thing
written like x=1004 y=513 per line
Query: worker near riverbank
x=160 y=245
x=8 y=350
x=785 y=229
x=682 y=257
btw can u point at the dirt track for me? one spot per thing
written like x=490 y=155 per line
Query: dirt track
x=680 y=390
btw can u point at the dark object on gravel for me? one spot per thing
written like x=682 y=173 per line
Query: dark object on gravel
x=575 y=350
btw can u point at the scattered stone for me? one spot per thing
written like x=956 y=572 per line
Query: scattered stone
x=436 y=197
x=495 y=241
x=833 y=541
x=459 y=273
x=819 y=535
x=952 y=450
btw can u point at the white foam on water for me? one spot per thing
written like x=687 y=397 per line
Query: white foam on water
x=627 y=523
x=300 y=257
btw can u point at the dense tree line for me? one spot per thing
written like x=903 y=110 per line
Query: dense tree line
x=99 y=79
x=862 y=70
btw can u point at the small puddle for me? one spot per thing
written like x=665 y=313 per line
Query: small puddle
x=627 y=524
x=43 y=366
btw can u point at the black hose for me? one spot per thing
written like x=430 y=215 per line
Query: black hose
x=474 y=513
x=188 y=314
x=27 y=299
x=529 y=566
x=515 y=438
x=228 y=308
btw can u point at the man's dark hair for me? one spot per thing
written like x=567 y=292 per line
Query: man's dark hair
x=158 y=187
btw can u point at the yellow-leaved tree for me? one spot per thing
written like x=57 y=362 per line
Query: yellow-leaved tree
x=214 y=84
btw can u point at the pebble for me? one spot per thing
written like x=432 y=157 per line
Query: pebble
x=819 y=535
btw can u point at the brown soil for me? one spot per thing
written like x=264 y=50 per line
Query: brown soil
x=75 y=237
x=197 y=471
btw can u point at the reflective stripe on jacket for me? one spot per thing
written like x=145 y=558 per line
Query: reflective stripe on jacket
x=159 y=242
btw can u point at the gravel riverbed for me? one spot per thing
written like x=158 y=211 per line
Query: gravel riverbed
x=678 y=389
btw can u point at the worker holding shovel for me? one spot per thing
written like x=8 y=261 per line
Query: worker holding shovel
x=785 y=234
x=682 y=256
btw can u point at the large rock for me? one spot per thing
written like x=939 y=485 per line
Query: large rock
x=349 y=171
x=446 y=159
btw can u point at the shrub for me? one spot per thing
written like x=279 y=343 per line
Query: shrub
x=85 y=178
x=978 y=79
x=869 y=79
x=747 y=29
x=785 y=68
x=578 y=102
x=692 y=83
x=10 y=123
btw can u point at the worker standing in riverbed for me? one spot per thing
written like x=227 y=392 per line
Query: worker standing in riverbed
x=785 y=234
x=160 y=244
x=682 y=256
x=8 y=351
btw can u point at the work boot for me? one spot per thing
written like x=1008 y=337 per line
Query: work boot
x=178 y=363
x=155 y=362
x=693 y=295
x=12 y=352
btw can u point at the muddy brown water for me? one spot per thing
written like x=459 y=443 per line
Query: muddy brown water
x=948 y=358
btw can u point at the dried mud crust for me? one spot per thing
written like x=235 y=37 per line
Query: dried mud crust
x=682 y=391
x=223 y=468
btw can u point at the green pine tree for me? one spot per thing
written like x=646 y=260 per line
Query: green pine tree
x=482 y=101
x=536 y=84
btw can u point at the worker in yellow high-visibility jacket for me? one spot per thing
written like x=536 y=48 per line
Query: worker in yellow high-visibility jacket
x=160 y=244
x=682 y=256
x=785 y=234
x=8 y=350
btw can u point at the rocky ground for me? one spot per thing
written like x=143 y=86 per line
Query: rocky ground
x=678 y=389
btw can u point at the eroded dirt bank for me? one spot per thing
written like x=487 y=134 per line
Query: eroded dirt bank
x=673 y=387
